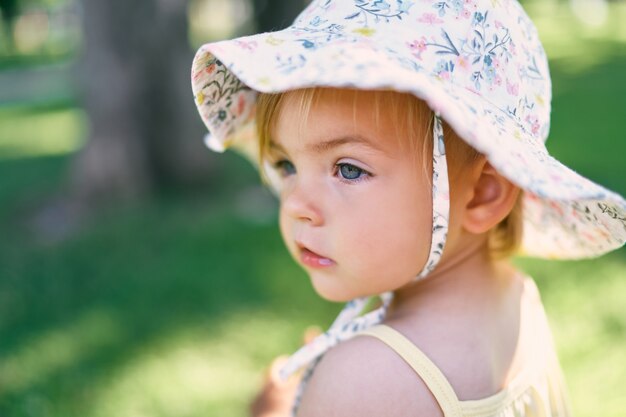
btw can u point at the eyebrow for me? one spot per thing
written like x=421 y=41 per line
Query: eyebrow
x=325 y=146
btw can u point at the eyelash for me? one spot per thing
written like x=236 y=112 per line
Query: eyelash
x=364 y=175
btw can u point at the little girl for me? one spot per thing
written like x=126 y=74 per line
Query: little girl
x=379 y=197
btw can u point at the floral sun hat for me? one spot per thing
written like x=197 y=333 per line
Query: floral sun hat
x=478 y=64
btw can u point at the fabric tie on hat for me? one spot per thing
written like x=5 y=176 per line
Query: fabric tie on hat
x=350 y=321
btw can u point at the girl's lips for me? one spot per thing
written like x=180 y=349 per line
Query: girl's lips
x=314 y=260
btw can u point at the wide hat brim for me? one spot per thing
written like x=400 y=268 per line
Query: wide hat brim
x=566 y=216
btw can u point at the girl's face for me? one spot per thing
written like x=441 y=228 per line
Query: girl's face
x=355 y=208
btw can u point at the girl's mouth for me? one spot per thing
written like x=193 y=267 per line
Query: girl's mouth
x=314 y=260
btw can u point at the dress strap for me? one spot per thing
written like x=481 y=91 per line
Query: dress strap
x=424 y=367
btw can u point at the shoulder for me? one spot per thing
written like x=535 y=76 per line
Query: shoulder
x=364 y=377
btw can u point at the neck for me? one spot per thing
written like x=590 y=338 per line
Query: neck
x=467 y=276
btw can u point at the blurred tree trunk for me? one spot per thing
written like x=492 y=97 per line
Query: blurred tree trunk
x=10 y=10
x=276 y=14
x=144 y=129
x=135 y=74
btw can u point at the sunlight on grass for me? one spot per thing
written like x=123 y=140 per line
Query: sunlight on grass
x=198 y=370
x=44 y=354
x=31 y=133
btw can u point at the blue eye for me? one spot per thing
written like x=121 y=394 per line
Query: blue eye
x=351 y=172
x=284 y=167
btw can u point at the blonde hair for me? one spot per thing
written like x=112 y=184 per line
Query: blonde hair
x=411 y=115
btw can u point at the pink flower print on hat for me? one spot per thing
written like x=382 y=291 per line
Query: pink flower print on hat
x=418 y=46
x=430 y=18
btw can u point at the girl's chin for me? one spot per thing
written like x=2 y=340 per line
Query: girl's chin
x=327 y=288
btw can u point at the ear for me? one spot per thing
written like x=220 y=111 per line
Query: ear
x=493 y=199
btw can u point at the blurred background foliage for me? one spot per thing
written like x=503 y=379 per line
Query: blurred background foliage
x=142 y=276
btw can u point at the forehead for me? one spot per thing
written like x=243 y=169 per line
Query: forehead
x=383 y=120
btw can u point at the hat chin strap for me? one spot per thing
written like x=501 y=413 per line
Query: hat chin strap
x=441 y=200
x=350 y=320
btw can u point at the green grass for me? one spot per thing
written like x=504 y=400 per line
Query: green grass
x=588 y=125
x=47 y=130
x=172 y=307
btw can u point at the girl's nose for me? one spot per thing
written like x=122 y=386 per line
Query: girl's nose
x=300 y=203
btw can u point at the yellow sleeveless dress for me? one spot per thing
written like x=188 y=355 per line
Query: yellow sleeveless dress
x=538 y=391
